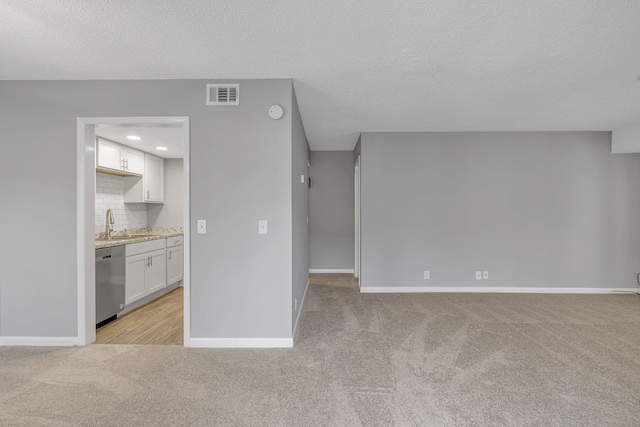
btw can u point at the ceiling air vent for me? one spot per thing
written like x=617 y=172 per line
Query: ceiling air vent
x=226 y=94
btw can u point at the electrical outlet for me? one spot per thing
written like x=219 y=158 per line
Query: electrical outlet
x=485 y=275
x=478 y=275
x=202 y=226
x=426 y=275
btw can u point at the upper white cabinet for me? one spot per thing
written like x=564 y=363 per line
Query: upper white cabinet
x=153 y=179
x=148 y=188
x=116 y=157
x=134 y=161
x=109 y=155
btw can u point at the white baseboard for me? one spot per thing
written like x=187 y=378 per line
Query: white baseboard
x=39 y=341
x=240 y=343
x=304 y=297
x=330 y=270
x=474 y=289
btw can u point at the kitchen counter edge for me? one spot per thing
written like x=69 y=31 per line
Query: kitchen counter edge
x=116 y=242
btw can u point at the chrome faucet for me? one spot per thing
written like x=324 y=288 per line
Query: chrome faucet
x=109 y=225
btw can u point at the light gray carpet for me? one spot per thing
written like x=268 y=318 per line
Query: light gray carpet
x=360 y=359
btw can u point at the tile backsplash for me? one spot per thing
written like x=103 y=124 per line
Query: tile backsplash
x=109 y=194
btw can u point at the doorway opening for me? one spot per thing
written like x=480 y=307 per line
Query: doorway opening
x=126 y=216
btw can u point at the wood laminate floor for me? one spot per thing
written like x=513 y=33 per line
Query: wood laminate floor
x=158 y=322
x=334 y=279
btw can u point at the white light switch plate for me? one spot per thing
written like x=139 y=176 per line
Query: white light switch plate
x=202 y=226
x=263 y=225
x=478 y=275
x=301 y=179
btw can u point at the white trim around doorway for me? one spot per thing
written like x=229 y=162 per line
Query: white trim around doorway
x=356 y=204
x=85 y=243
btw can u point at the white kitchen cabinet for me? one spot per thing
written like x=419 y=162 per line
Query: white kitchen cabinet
x=109 y=155
x=134 y=161
x=175 y=259
x=116 y=157
x=153 y=178
x=145 y=270
x=135 y=273
x=156 y=274
x=148 y=188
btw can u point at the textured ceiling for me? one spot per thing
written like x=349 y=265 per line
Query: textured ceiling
x=367 y=65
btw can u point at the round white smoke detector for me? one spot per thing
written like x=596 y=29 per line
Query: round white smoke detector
x=275 y=112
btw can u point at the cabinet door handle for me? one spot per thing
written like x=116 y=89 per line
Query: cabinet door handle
x=169 y=255
x=127 y=163
x=122 y=164
x=148 y=194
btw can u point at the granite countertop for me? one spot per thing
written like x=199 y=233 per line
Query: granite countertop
x=136 y=235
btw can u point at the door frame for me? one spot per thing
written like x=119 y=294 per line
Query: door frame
x=356 y=193
x=86 y=200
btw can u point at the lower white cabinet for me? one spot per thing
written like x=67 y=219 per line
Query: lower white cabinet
x=175 y=259
x=135 y=272
x=146 y=269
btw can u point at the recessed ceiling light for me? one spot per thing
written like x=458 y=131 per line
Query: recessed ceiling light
x=161 y=148
x=133 y=137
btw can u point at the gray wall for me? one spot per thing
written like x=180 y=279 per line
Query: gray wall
x=299 y=195
x=626 y=140
x=240 y=173
x=170 y=213
x=535 y=209
x=331 y=210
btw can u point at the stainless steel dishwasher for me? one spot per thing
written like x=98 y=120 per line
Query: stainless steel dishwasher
x=110 y=293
